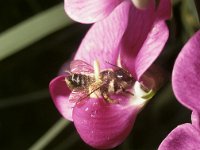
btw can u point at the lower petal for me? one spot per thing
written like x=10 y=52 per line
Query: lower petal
x=103 y=125
x=183 y=137
x=60 y=94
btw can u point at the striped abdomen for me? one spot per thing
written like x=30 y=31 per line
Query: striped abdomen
x=78 y=81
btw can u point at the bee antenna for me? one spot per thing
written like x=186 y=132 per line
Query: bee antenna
x=112 y=64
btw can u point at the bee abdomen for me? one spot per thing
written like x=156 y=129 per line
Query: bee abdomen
x=78 y=80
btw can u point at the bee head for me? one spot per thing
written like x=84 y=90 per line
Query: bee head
x=124 y=76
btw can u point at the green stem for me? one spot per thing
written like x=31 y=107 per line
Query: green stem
x=197 y=4
x=43 y=141
x=67 y=142
x=32 y=30
x=23 y=99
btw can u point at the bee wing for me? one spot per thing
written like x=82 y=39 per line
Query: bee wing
x=77 y=95
x=79 y=66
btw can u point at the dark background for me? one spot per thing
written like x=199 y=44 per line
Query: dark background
x=26 y=109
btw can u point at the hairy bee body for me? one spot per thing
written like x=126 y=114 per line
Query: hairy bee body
x=115 y=81
x=79 y=81
x=109 y=82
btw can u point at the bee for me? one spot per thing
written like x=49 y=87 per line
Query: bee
x=85 y=80
x=115 y=82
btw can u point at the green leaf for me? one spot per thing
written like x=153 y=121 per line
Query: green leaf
x=32 y=30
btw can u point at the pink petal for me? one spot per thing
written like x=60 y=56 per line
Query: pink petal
x=151 y=48
x=102 y=40
x=196 y=119
x=103 y=125
x=186 y=74
x=60 y=93
x=148 y=52
x=139 y=25
x=164 y=10
x=89 y=11
x=183 y=137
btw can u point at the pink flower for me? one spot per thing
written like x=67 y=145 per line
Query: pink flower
x=90 y=11
x=136 y=24
x=104 y=125
x=186 y=86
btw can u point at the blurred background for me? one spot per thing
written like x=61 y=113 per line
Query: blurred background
x=36 y=39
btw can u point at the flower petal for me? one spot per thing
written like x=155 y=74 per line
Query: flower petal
x=164 y=9
x=89 y=11
x=149 y=51
x=195 y=119
x=186 y=74
x=139 y=25
x=151 y=48
x=60 y=94
x=102 y=40
x=182 y=137
x=103 y=125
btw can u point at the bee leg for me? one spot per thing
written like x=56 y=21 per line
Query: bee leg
x=127 y=92
x=107 y=98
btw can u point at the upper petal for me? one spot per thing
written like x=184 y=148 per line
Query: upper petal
x=60 y=94
x=149 y=51
x=151 y=48
x=102 y=40
x=139 y=25
x=186 y=74
x=89 y=11
x=183 y=137
x=103 y=125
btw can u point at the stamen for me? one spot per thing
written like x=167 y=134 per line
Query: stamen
x=96 y=70
x=119 y=61
x=93 y=89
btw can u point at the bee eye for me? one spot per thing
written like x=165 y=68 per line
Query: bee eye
x=123 y=75
x=120 y=74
